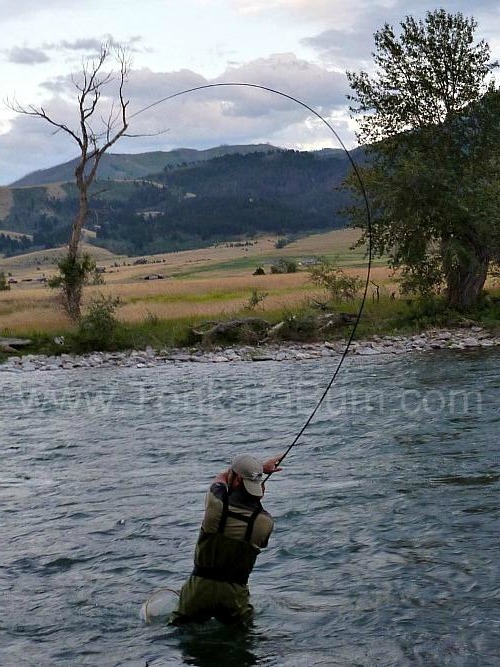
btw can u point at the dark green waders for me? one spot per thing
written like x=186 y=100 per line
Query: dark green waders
x=202 y=599
x=218 y=585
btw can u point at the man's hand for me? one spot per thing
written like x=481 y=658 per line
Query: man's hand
x=271 y=465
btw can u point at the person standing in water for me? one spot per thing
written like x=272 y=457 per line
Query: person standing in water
x=234 y=529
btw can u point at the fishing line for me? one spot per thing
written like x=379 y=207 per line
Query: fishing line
x=368 y=226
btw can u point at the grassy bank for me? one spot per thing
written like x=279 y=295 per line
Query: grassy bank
x=215 y=284
x=386 y=316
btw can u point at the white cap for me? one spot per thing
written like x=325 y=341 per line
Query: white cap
x=250 y=469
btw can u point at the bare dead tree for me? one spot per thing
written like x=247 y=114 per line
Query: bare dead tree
x=94 y=134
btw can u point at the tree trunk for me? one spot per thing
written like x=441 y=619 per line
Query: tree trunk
x=465 y=280
x=78 y=224
x=75 y=277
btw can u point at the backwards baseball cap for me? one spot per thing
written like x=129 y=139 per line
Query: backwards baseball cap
x=250 y=469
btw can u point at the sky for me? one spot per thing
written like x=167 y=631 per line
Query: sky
x=301 y=48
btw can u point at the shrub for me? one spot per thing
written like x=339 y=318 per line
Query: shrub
x=331 y=278
x=285 y=265
x=299 y=327
x=255 y=298
x=97 y=328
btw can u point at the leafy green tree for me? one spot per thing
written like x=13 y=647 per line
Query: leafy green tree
x=430 y=120
x=73 y=274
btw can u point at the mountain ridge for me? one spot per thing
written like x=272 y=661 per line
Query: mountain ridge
x=127 y=166
x=158 y=202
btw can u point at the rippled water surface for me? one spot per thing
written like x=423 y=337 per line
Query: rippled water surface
x=386 y=544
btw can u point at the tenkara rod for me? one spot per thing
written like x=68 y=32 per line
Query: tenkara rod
x=368 y=225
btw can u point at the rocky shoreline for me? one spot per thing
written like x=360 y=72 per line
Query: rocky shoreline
x=453 y=339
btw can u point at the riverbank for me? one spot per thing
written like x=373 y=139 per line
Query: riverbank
x=453 y=339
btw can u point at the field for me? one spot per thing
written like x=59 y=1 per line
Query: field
x=209 y=282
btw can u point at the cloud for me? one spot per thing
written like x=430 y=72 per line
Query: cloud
x=83 y=44
x=339 y=14
x=352 y=46
x=221 y=114
x=290 y=75
x=298 y=9
x=31 y=145
x=94 y=44
x=224 y=112
x=15 y=8
x=26 y=56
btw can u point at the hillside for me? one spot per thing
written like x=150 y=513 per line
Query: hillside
x=116 y=166
x=185 y=199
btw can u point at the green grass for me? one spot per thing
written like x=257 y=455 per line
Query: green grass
x=229 y=265
x=215 y=296
x=385 y=317
x=351 y=260
x=207 y=297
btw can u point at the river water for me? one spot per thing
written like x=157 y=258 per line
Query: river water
x=385 y=550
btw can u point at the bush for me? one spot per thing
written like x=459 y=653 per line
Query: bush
x=97 y=328
x=331 y=278
x=255 y=298
x=285 y=266
x=299 y=327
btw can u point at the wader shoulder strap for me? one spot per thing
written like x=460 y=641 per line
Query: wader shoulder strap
x=249 y=520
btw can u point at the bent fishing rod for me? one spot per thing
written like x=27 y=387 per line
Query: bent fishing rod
x=368 y=226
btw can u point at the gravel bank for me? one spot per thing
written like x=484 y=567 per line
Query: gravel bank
x=457 y=339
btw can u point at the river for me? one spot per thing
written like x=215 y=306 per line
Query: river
x=385 y=550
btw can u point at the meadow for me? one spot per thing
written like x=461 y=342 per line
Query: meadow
x=205 y=283
x=163 y=297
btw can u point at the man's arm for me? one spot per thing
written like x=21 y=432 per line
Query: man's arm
x=271 y=465
x=268 y=467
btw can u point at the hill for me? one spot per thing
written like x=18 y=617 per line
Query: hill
x=116 y=166
x=184 y=199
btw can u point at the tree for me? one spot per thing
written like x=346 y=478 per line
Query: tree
x=4 y=285
x=430 y=121
x=94 y=133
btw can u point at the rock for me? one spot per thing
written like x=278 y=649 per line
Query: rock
x=471 y=342
x=29 y=366
x=302 y=356
x=459 y=339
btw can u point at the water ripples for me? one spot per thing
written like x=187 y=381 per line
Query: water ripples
x=387 y=515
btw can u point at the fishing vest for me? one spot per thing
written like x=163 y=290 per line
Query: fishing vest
x=223 y=558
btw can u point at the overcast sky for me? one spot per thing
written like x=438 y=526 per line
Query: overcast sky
x=299 y=47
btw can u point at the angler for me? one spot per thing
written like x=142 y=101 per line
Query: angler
x=234 y=529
